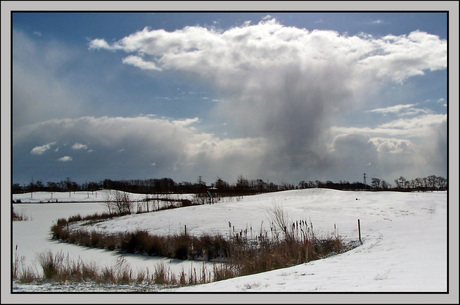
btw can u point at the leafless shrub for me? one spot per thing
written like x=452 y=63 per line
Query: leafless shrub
x=280 y=220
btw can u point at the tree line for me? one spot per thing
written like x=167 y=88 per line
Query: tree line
x=242 y=186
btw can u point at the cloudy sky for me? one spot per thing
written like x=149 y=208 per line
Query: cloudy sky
x=283 y=97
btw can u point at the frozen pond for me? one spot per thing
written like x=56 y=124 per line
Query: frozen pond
x=33 y=237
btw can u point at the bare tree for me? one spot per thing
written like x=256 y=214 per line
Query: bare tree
x=375 y=183
x=401 y=182
x=385 y=185
x=118 y=202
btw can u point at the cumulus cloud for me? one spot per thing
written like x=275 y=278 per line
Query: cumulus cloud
x=281 y=88
x=39 y=150
x=65 y=159
x=98 y=44
x=386 y=157
x=413 y=146
x=78 y=146
x=400 y=57
x=269 y=44
x=392 y=145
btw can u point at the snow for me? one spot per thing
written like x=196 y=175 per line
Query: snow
x=404 y=239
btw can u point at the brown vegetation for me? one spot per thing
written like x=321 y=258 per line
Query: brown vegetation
x=287 y=244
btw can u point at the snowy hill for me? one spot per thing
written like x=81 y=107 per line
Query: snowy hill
x=404 y=238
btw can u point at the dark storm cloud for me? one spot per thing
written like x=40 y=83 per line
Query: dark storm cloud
x=118 y=147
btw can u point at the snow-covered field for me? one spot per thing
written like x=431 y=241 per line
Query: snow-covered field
x=404 y=239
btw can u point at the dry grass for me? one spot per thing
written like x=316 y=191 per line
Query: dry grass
x=57 y=267
x=243 y=253
x=286 y=244
x=18 y=216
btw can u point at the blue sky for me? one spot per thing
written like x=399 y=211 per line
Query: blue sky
x=282 y=97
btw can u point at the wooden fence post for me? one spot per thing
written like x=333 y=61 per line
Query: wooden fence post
x=359 y=232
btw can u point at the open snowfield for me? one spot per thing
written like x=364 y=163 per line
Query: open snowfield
x=404 y=238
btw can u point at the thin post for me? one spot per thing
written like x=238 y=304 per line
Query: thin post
x=185 y=229
x=359 y=232
x=306 y=251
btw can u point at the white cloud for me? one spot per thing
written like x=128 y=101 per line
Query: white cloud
x=400 y=57
x=40 y=150
x=270 y=44
x=387 y=157
x=414 y=127
x=140 y=63
x=392 y=109
x=281 y=87
x=65 y=159
x=179 y=149
x=186 y=122
x=414 y=146
x=392 y=145
x=78 y=146
x=402 y=110
x=98 y=44
x=279 y=90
